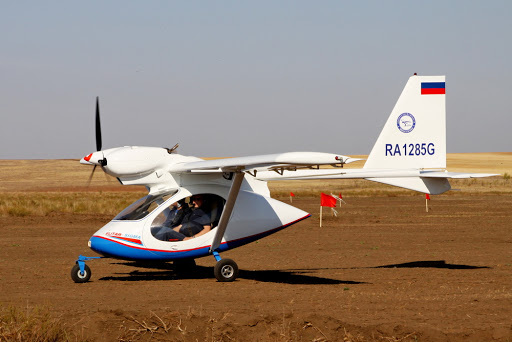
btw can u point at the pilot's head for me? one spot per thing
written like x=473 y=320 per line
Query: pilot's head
x=197 y=201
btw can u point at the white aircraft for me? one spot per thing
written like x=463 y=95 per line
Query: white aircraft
x=236 y=207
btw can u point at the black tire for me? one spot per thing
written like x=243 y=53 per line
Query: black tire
x=78 y=277
x=226 y=270
x=184 y=266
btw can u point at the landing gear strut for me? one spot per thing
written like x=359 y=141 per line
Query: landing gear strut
x=226 y=269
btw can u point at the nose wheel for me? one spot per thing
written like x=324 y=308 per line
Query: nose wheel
x=80 y=276
x=81 y=273
x=225 y=270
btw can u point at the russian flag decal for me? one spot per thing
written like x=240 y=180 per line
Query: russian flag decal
x=432 y=88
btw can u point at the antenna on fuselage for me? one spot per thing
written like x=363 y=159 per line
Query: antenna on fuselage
x=172 y=150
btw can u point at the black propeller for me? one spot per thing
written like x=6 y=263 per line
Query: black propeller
x=103 y=161
x=90 y=177
x=98 y=125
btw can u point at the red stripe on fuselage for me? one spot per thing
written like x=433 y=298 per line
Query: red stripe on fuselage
x=129 y=240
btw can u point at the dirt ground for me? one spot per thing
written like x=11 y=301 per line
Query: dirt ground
x=383 y=270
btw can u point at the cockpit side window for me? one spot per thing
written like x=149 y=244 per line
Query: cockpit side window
x=184 y=218
x=142 y=207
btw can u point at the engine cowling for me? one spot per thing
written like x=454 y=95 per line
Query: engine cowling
x=130 y=161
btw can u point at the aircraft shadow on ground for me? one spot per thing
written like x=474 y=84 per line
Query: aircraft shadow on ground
x=165 y=271
x=431 y=264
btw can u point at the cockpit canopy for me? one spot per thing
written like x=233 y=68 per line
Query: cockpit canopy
x=142 y=207
x=180 y=211
x=212 y=207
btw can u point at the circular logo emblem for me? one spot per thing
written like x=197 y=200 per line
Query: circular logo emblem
x=406 y=122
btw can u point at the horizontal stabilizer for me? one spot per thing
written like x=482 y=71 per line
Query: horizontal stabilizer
x=438 y=174
x=433 y=186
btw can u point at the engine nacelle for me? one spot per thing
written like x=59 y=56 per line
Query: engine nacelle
x=135 y=161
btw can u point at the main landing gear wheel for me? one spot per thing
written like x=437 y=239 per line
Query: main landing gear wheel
x=226 y=270
x=79 y=277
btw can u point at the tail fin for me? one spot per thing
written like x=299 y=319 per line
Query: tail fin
x=414 y=137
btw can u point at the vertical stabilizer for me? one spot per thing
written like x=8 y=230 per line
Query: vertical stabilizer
x=414 y=135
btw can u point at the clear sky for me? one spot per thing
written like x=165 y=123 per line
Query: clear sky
x=234 y=78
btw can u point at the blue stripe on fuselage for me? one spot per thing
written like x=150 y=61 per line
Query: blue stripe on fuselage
x=118 y=250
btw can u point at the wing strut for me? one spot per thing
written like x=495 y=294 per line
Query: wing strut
x=228 y=209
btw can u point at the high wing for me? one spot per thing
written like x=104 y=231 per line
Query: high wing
x=269 y=162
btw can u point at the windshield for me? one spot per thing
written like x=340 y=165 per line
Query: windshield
x=142 y=207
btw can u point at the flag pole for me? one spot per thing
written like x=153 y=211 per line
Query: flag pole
x=320 y=216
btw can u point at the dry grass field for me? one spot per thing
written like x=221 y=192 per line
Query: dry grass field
x=383 y=270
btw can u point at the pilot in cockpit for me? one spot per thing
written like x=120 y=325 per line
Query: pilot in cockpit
x=195 y=223
x=177 y=211
x=186 y=223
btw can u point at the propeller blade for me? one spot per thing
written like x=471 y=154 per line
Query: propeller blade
x=98 y=125
x=90 y=177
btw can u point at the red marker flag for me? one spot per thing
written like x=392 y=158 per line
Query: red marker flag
x=292 y=194
x=427 y=198
x=327 y=201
